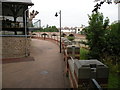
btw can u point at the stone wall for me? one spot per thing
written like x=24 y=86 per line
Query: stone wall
x=15 y=47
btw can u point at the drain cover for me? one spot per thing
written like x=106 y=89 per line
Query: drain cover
x=49 y=48
x=44 y=72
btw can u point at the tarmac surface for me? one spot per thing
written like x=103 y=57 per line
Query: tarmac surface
x=43 y=69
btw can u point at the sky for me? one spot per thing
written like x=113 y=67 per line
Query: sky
x=74 y=12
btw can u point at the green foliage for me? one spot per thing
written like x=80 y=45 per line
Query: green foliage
x=95 y=34
x=113 y=41
x=104 y=43
x=103 y=39
x=114 y=72
x=114 y=68
x=83 y=31
x=48 y=29
x=113 y=81
x=51 y=29
x=83 y=54
x=71 y=38
x=40 y=30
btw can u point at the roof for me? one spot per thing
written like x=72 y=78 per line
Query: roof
x=29 y=2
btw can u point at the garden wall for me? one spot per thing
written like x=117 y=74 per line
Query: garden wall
x=15 y=47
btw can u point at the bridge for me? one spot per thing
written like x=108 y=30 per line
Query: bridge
x=58 y=34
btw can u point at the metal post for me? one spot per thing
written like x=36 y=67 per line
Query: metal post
x=60 y=31
x=26 y=32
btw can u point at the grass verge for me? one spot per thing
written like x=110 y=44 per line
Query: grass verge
x=83 y=54
x=113 y=81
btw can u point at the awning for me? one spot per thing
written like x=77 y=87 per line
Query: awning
x=27 y=2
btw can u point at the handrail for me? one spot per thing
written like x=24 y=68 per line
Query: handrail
x=72 y=59
x=96 y=85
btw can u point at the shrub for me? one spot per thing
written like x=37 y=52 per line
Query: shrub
x=71 y=38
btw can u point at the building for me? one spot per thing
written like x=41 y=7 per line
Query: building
x=67 y=29
x=72 y=30
x=79 y=29
x=13 y=21
x=13 y=16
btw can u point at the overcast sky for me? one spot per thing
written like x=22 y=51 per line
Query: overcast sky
x=74 y=12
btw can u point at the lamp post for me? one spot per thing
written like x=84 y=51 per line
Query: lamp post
x=60 y=27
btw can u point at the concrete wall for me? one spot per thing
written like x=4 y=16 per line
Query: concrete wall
x=14 y=47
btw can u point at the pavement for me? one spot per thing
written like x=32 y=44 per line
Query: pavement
x=43 y=69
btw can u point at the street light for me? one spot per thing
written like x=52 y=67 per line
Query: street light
x=60 y=27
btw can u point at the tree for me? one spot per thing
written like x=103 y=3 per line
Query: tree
x=95 y=34
x=83 y=31
x=98 y=5
x=113 y=42
x=50 y=29
x=109 y=1
x=54 y=29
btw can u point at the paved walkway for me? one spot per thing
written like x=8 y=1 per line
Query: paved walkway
x=45 y=71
